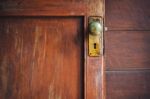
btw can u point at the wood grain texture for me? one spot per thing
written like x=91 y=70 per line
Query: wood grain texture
x=127 y=50
x=128 y=14
x=52 y=8
x=95 y=8
x=128 y=85
x=40 y=58
x=43 y=9
x=94 y=78
x=93 y=68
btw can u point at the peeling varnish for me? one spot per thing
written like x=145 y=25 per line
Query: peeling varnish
x=94 y=4
x=19 y=47
x=35 y=47
x=97 y=83
x=52 y=93
x=18 y=42
x=38 y=54
x=44 y=50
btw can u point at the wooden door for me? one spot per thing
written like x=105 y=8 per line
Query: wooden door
x=127 y=49
x=44 y=50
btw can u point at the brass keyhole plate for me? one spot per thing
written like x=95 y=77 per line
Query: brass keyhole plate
x=95 y=39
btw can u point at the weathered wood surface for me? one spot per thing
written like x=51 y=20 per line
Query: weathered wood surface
x=128 y=84
x=128 y=14
x=127 y=49
x=40 y=58
x=52 y=8
x=82 y=9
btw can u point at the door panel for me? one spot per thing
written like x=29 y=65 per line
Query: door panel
x=128 y=14
x=128 y=85
x=127 y=50
x=41 y=58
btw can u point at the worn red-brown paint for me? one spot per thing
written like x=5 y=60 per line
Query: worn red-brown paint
x=43 y=50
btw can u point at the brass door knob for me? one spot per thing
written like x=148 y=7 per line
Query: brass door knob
x=95 y=28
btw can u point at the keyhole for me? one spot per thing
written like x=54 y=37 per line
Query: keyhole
x=94 y=45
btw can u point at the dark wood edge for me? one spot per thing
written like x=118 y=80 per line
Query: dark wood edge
x=85 y=58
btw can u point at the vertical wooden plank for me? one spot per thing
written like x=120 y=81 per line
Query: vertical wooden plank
x=95 y=67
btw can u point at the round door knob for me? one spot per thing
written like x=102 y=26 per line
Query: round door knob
x=95 y=28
